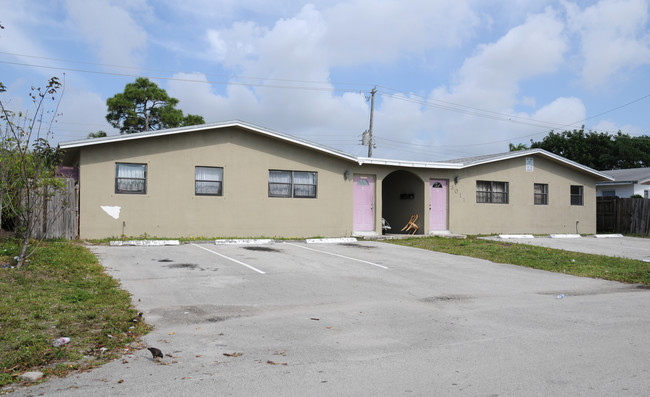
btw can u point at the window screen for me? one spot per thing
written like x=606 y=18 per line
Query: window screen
x=130 y=178
x=299 y=184
x=208 y=181
x=492 y=192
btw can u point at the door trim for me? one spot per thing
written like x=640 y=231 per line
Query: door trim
x=355 y=227
x=445 y=185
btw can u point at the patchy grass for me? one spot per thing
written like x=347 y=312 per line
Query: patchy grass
x=61 y=291
x=560 y=261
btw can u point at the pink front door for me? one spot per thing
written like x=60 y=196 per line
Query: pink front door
x=364 y=203
x=438 y=204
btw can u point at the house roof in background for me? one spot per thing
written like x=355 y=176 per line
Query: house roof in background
x=629 y=176
x=447 y=164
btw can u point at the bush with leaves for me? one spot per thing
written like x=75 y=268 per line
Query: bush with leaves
x=27 y=166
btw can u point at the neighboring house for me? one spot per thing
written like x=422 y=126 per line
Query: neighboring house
x=235 y=179
x=626 y=183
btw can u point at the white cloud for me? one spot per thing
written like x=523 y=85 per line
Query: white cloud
x=614 y=36
x=611 y=127
x=293 y=48
x=80 y=113
x=305 y=113
x=234 y=46
x=287 y=55
x=493 y=75
x=110 y=30
x=364 y=31
x=488 y=85
x=562 y=112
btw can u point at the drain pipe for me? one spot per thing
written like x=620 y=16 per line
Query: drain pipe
x=577 y=227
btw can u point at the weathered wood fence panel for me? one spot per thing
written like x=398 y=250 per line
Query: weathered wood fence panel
x=58 y=218
x=623 y=215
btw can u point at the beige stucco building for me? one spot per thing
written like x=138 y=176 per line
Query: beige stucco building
x=235 y=179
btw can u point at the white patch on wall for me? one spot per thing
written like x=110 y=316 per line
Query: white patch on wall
x=112 y=211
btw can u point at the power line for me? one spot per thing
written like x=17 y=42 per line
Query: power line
x=396 y=94
x=180 y=71
x=502 y=116
x=429 y=102
x=293 y=87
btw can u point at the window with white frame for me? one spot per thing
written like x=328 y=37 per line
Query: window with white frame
x=208 y=181
x=492 y=192
x=576 y=195
x=609 y=193
x=130 y=178
x=541 y=194
x=297 y=184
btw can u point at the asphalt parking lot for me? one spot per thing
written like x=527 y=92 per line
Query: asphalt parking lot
x=367 y=319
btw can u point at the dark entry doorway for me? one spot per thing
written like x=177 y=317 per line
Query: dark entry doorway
x=402 y=196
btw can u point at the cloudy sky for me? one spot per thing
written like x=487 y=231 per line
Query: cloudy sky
x=454 y=78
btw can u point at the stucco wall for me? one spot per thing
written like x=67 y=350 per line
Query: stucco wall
x=171 y=209
x=521 y=215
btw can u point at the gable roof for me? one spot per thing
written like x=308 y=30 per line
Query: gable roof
x=202 y=127
x=490 y=158
x=447 y=164
x=629 y=176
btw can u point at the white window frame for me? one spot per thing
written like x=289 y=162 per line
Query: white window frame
x=492 y=192
x=122 y=182
x=286 y=184
x=202 y=181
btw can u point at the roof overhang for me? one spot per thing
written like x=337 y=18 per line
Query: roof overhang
x=204 y=127
x=617 y=183
x=450 y=165
x=408 y=164
x=540 y=152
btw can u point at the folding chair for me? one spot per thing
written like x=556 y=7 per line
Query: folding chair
x=411 y=226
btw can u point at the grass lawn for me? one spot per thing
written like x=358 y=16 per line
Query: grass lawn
x=61 y=291
x=585 y=265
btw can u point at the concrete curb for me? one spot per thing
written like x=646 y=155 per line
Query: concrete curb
x=614 y=235
x=250 y=241
x=565 y=236
x=511 y=236
x=331 y=240
x=144 y=243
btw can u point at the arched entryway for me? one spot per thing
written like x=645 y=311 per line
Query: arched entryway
x=402 y=196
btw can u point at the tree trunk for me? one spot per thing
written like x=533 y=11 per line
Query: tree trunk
x=23 y=252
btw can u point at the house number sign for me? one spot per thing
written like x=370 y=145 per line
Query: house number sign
x=530 y=164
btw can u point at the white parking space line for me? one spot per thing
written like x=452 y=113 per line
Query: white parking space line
x=231 y=259
x=340 y=256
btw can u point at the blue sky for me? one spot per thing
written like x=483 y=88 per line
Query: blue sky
x=454 y=78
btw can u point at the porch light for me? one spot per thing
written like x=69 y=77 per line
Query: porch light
x=346 y=175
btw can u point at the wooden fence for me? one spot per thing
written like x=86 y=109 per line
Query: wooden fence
x=623 y=215
x=58 y=217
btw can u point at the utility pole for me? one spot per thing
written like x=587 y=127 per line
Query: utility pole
x=372 y=110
